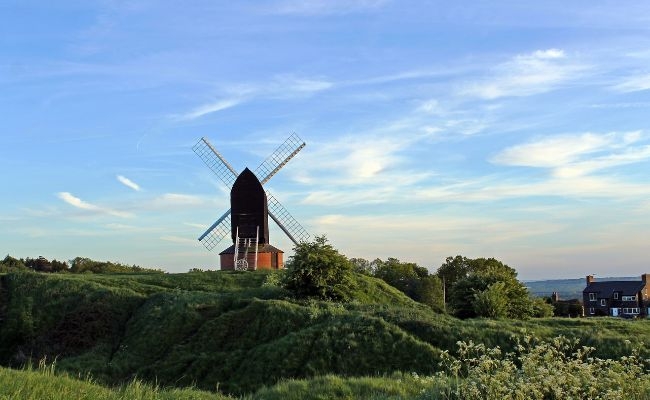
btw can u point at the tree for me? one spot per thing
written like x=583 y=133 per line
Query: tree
x=362 y=266
x=491 y=302
x=430 y=293
x=401 y=275
x=318 y=270
x=482 y=274
x=413 y=280
x=9 y=263
x=542 y=308
x=453 y=270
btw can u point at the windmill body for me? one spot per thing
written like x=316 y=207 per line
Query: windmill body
x=249 y=210
x=250 y=207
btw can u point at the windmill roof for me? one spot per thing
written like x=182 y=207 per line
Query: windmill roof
x=607 y=288
x=262 y=248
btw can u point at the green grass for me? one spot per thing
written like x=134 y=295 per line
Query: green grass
x=236 y=332
x=44 y=384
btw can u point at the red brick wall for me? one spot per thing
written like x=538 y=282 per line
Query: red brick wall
x=264 y=261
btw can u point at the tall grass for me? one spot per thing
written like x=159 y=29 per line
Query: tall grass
x=43 y=383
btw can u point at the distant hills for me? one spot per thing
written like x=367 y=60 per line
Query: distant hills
x=567 y=288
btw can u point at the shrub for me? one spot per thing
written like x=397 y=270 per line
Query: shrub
x=318 y=270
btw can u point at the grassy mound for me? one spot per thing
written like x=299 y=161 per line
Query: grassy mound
x=237 y=332
x=206 y=329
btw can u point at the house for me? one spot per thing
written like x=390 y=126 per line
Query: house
x=617 y=298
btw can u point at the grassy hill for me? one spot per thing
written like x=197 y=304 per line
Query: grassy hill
x=236 y=332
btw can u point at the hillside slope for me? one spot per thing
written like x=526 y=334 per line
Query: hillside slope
x=236 y=332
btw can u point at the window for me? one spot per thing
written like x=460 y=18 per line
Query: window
x=591 y=310
x=602 y=302
x=615 y=295
x=592 y=296
x=629 y=298
x=631 y=310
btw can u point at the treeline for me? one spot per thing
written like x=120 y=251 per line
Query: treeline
x=463 y=287
x=77 y=265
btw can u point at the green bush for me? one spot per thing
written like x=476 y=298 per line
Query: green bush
x=318 y=270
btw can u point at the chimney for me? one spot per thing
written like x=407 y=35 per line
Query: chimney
x=590 y=279
x=644 y=278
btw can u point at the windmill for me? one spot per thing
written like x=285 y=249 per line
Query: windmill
x=247 y=219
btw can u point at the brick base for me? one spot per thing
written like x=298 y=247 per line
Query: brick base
x=266 y=260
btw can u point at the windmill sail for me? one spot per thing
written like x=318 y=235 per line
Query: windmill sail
x=215 y=162
x=285 y=152
x=215 y=233
x=286 y=221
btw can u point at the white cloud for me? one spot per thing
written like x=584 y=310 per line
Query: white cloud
x=552 y=151
x=525 y=75
x=622 y=105
x=170 y=200
x=431 y=106
x=634 y=84
x=78 y=203
x=123 y=228
x=355 y=159
x=179 y=239
x=327 y=7
x=279 y=87
x=128 y=183
x=308 y=85
x=208 y=108
x=577 y=155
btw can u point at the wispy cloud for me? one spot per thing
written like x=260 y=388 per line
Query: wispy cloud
x=180 y=240
x=525 y=75
x=327 y=7
x=577 y=155
x=123 y=228
x=208 y=108
x=634 y=84
x=83 y=205
x=491 y=189
x=171 y=200
x=128 y=183
x=279 y=87
x=640 y=104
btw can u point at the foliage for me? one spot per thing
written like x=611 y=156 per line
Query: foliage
x=77 y=265
x=557 y=369
x=491 y=302
x=318 y=270
x=82 y=264
x=477 y=294
x=239 y=332
x=11 y=264
x=541 y=308
x=413 y=280
x=363 y=266
x=453 y=270
x=567 y=308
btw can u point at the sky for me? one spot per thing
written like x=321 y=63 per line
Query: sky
x=507 y=129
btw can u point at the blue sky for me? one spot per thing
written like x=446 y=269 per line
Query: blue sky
x=515 y=130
